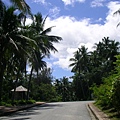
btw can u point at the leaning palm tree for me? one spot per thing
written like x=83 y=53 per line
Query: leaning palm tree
x=37 y=64
x=44 y=43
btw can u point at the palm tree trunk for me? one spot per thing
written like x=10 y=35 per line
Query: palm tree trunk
x=2 y=69
x=29 y=83
x=13 y=98
x=82 y=86
x=1 y=83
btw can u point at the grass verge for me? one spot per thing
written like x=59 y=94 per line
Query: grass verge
x=111 y=112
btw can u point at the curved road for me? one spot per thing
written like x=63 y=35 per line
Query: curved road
x=53 y=111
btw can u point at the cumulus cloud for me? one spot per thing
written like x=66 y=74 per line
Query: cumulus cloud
x=81 y=32
x=54 y=12
x=40 y=1
x=71 y=2
x=28 y=21
x=97 y=3
x=43 y=2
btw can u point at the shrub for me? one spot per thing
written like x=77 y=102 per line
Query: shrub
x=30 y=101
x=116 y=94
x=21 y=102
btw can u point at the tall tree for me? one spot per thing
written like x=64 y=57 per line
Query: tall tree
x=44 y=43
x=79 y=65
x=11 y=39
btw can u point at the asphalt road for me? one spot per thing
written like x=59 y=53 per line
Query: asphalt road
x=53 y=111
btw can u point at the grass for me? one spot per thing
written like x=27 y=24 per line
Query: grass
x=111 y=112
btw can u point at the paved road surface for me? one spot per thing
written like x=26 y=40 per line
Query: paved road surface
x=53 y=111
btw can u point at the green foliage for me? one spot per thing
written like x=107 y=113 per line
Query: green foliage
x=47 y=92
x=6 y=104
x=30 y=101
x=23 y=102
x=91 y=67
x=64 y=89
x=108 y=93
x=116 y=94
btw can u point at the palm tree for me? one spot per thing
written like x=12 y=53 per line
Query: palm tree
x=79 y=64
x=80 y=60
x=37 y=64
x=44 y=43
x=11 y=39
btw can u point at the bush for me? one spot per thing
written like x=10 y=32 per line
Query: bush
x=6 y=104
x=21 y=102
x=116 y=94
x=103 y=92
x=30 y=101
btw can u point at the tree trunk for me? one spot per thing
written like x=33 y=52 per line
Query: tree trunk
x=81 y=85
x=29 y=83
x=2 y=69
x=1 y=83
x=13 y=98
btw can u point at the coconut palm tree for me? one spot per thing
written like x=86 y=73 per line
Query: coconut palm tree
x=80 y=60
x=41 y=35
x=44 y=43
x=11 y=39
x=79 y=64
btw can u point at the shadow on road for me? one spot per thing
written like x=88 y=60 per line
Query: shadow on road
x=33 y=111
x=50 y=106
x=28 y=118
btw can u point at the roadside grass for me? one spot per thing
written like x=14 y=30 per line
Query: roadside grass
x=111 y=112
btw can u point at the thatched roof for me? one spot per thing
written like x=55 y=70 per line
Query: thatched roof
x=20 y=89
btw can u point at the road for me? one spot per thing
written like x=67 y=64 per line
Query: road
x=53 y=111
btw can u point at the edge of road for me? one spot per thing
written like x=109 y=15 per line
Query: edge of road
x=4 y=111
x=99 y=115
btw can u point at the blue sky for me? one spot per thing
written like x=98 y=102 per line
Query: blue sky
x=78 y=22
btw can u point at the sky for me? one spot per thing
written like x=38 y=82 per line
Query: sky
x=78 y=22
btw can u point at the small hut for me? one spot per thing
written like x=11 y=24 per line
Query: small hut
x=20 y=92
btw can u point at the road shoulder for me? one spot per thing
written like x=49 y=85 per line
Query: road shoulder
x=8 y=110
x=99 y=115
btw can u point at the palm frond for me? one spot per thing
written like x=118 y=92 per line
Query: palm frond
x=47 y=30
x=22 y=6
x=12 y=41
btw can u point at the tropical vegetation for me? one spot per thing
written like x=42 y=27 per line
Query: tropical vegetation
x=22 y=46
x=96 y=72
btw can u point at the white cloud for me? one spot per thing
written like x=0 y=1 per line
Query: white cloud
x=81 y=32
x=49 y=65
x=97 y=3
x=43 y=2
x=39 y=1
x=54 y=12
x=71 y=2
x=28 y=21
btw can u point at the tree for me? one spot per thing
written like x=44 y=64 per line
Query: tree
x=105 y=57
x=64 y=89
x=79 y=65
x=11 y=40
x=44 y=43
